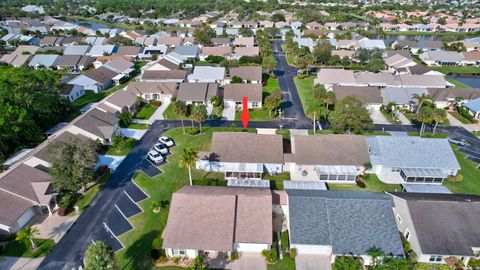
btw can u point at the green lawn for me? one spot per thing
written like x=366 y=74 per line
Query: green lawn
x=390 y=118
x=427 y=134
x=146 y=111
x=170 y=114
x=88 y=196
x=304 y=88
x=120 y=25
x=122 y=148
x=471 y=176
x=412 y=116
x=290 y=58
x=287 y=263
x=284 y=132
x=271 y=85
x=20 y=249
x=138 y=126
x=256 y=115
x=460 y=118
x=149 y=226
x=276 y=181
x=372 y=183
x=457 y=69
x=457 y=84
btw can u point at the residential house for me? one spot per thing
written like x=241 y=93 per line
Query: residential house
x=313 y=158
x=101 y=50
x=76 y=50
x=16 y=60
x=224 y=51
x=96 y=80
x=441 y=58
x=197 y=93
x=26 y=49
x=96 y=125
x=175 y=58
x=175 y=76
x=170 y=41
x=430 y=45
x=412 y=159
x=343 y=53
x=434 y=81
x=471 y=58
x=348 y=44
x=234 y=93
x=473 y=107
x=74 y=62
x=244 y=42
x=402 y=96
x=218 y=219
x=397 y=61
x=406 y=45
x=41 y=61
x=189 y=52
x=162 y=64
x=120 y=101
x=314 y=25
x=128 y=52
x=372 y=96
x=239 y=160
x=153 y=90
x=120 y=66
x=265 y=24
x=335 y=223
x=25 y=192
x=330 y=77
x=50 y=41
x=449 y=97
x=365 y=78
x=221 y=41
x=305 y=42
x=248 y=74
x=370 y=44
x=245 y=51
x=207 y=74
x=439 y=226
x=72 y=91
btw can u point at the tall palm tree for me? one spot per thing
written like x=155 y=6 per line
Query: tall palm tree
x=424 y=116
x=187 y=160
x=375 y=253
x=421 y=99
x=438 y=115
x=26 y=236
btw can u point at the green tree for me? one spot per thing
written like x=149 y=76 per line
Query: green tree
x=347 y=263
x=269 y=62
x=199 y=114
x=375 y=253
x=125 y=119
x=180 y=110
x=421 y=100
x=72 y=163
x=245 y=32
x=322 y=51
x=278 y=17
x=187 y=160
x=424 y=116
x=438 y=116
x=26 y=236
x=99 y=256
x=204 y=34
x=271 y=32
x=236 y=79
x=349 y=114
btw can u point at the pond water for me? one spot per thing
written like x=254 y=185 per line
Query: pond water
x=470 y=81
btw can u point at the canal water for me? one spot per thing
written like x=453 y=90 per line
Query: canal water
x=470 y=81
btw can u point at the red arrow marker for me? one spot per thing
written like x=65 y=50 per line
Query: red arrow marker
x=245 y=115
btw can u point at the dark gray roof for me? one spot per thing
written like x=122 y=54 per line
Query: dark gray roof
x=445 y=224
x=197 y=91
x=350 y=221
x=98 y=122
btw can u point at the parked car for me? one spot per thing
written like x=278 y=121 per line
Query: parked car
x=155 y=156
x=166 y=140
x=458 y=141
x=161 y=148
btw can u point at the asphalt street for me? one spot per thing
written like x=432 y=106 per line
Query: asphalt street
x=68 y=253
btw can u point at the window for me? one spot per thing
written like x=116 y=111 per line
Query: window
x=407 y=235
x=395 y=169
x=179 y=252
x=238 y=103
x=399 y=218
x=435 y=258
x=255 y=104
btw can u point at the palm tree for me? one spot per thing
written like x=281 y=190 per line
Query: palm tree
x=438 y=115
x=424 y=116
x=26 y=236
x=187 y=160
x=375 y=253
x=156 y=205
x=421 y=99
x=329 y=99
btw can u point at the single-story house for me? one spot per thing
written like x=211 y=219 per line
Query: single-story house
x=189 y=52
x=233 y=95
x=26 y=49
x=96 y=125
x=50 y=41
x=249 y=74
x=122 y=101
x=330 y=77
x=218 y=219
x=74 y=62
x=230 y=154
x=244 y=42
x=471 y=58
x=441 y=58
x=314 y=159
x=221 y=41
x=120 y=65
x=473 y=107
x=162 y=64
x=170 y=41
x=342 y=223
x=439 y=226
x=398 y=159
x=101 y=50
x=434 y=81
x=175 y=75
x=245 y=51
x=44 y=61
x=176 y=58
x=197 y=93
x=16 y=60
x=365 y=78
x=207 y=74
x=371 y=95
x=224 y=51
x=370 y=44
x=305 y=42
x=96 y=80
x=398 y=61
x=406 y=44
x=128 y=52
x=402 y=96
x=76 y=50
x=445 y=97
x=24 y=193
x=163 y=91
x=430 y=45
x=343 y=53
x=72 y=91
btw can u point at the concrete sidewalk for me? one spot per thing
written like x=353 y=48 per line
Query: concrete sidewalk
x=17 y=263
x=158 y=114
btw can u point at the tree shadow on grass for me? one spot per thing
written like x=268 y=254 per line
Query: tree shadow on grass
x=138 y=253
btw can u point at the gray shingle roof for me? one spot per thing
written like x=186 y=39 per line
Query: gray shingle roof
x=411 y=152
x=197 y=91
x=350 y=221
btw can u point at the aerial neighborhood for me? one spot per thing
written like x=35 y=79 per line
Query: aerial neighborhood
x=244 y=135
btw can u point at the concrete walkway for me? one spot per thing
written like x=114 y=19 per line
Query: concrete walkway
x=16 y=263
x=312 y=262
x=378 y=117
x=403 y=119
x=455 y=122
x=133 y=133
x=228 y=113
x=250 y=261
x=294 y=132
x=158 y=114
x=54 y=227
x=270 y=131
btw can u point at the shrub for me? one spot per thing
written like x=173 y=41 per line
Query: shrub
x=155 y=254
x=360 y=183
x=293 y=253
x=236 y=79
x=215 y=59
x=155 y=103
x=302 y=76
x=192 y=131
x=347 y=263
x=176 y=260
x=162 y=259
x=234 y=256
x=270 y=255
x=456 y=178
x=66 y=200
x=474 y=263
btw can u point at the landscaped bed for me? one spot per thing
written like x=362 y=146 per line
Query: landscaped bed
x=121 y=146
x=146 y=111
x=138 y=126
x=372 y=183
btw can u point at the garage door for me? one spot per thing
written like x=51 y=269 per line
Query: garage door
x=25 y=218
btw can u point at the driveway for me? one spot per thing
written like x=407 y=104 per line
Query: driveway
x=52 y=227
x=312 y=262
x=15 y=263
x=158 y=114
x=133 y=133
x=228 y=113
x=111 y=161
x=250 y=261
x=378 y=117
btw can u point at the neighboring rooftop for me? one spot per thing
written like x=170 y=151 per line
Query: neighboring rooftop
x=371 y=95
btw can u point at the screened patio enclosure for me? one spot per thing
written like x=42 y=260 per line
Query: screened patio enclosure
x=423 y=175
x=243 y=170
x=336 y=173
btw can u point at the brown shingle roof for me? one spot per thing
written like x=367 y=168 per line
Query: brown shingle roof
x=19 y=181
x=43 y=153
x=218 y=50
x=245 y=148
x=215 y=218
x=197 y=91
x=176 y=74
x=169 y=41
x=371 y=95
x=128 y=50
x=445 y=94
x=101 y=74
x=247 y=51
x=68 y=60
x=471 y=56
x=98 y=123
x=251 y=73
x=237 y=91
x=330 y=150
x=138 y=88
x=122 y=99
